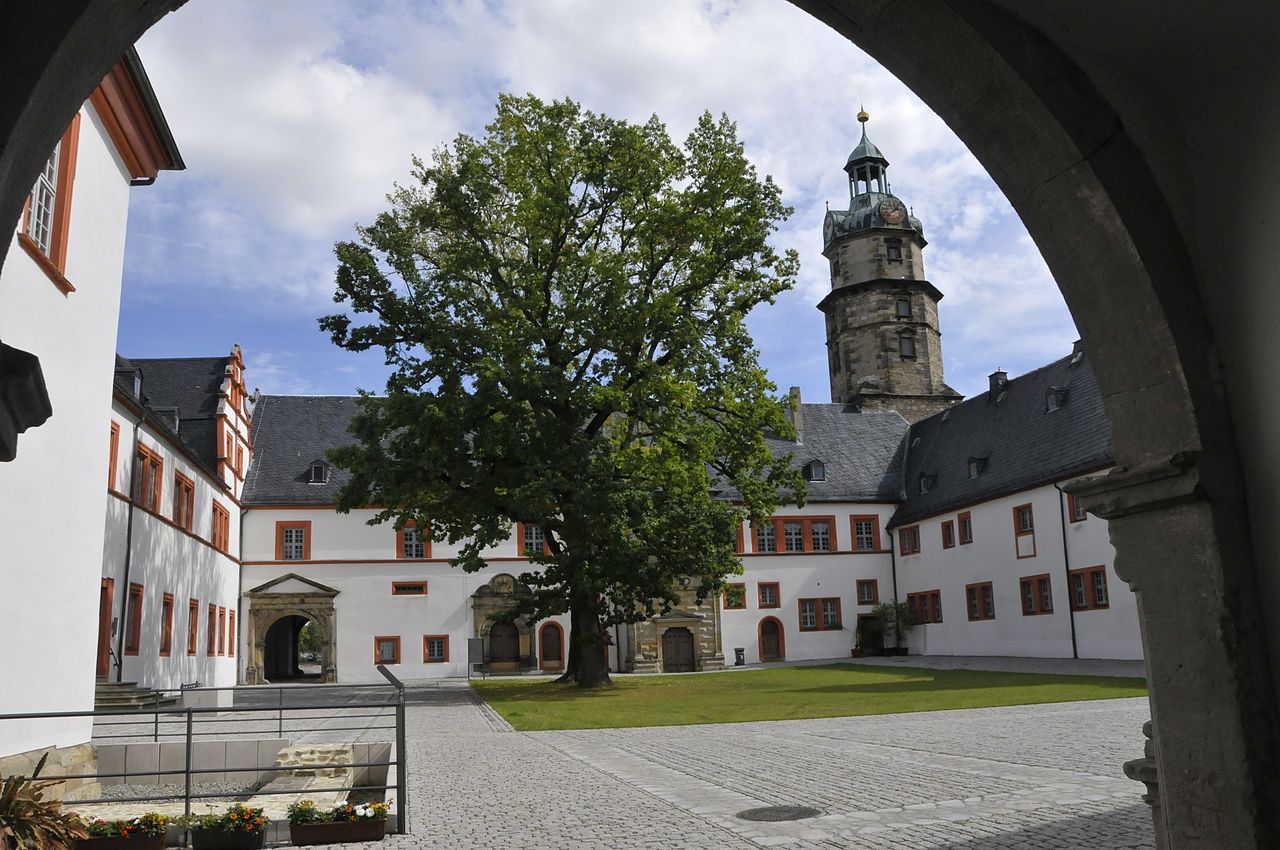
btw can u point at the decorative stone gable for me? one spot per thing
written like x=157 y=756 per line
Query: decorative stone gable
x=657 y=645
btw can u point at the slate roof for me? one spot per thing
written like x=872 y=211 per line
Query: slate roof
x=862 y=452
x=1024 y=445
x=289 y=432
x=191 y=385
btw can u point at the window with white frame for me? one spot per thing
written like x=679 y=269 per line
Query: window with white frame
x=534 y=539
x=44 y=197
x=414 y=546
x=294 y=544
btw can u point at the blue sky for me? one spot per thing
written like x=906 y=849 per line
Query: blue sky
x=296 y=117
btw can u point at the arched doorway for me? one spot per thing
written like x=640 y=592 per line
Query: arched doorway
x=773 y=644
x=551 y=647
x=504 y=644
x=677 y=650
x=284 y=657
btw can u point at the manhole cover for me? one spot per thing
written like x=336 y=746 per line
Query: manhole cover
x=780 y=813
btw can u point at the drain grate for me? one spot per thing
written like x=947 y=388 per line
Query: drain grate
x=779 y=813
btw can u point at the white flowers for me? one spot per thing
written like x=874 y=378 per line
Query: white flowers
x=364 y=811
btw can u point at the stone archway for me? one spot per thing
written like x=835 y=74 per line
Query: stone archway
x=290 y=595
x=1095 y=127
x=511 y=647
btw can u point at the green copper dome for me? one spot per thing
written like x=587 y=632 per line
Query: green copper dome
x=865 y=151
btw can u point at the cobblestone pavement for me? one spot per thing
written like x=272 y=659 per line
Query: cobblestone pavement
x=1021 y=778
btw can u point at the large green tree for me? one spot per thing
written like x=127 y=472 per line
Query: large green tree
x=563 y=304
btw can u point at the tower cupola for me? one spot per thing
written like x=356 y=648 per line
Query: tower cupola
x=867 y=168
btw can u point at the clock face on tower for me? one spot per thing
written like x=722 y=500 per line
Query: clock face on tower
x=892 y=211
x=828 y=228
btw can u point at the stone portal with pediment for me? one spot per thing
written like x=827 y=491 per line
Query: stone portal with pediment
x=508 y=641
x=650 y=644
x=291 y=595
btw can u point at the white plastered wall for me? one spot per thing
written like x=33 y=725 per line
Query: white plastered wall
x=166 y=559
x=1111 y=632
x=52 y=498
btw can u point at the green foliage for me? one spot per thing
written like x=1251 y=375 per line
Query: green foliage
x=30 y=822
x=563 y=302
x=306 y=811
x=785 y=693
x=309 y=639
x=151 y=823
x=895 y=617
x=237 y=818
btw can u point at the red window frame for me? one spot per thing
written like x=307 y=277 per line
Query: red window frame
x=426 y=543
x=193 y=626
x=1075 y=512
x=408 y=588
x=222 y=630
x=520 y=547
x=871 y=583
x=1020 y=532
x=806 y=535
x=739 y=591
x=221 y=528
x=184 y=500
x=948 y=535
x=114 y=457
x=875 y=531
x=1031 y=594
x=909 y=540
x=211 y=648
x=54 y=263
x=964 y=525
x=305 y=525
x=777 y=594
x=149 y=464
x=231 y=633
x=377 y=657
x=1090 y=576
x=925 y=606
x=133 y=618
x=980 y=600
x=426 y=659
x=820 y=623
x=166 y=625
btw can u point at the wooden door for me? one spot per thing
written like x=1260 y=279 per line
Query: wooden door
x=104 y=628
x=504 y=643
x=552 y=646
x=770 y=641
x=677 y=651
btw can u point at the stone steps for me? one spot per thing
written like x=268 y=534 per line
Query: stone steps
x=114 y=696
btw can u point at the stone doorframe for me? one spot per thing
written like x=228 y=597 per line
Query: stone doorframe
x=267 y=606
x=678 y=620
x=487 y=606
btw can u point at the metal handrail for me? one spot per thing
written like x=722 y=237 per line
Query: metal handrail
x=157 y=722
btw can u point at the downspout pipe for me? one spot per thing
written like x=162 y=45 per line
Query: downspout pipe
x=893 y=571
x=1066 y=566
x=128 y=534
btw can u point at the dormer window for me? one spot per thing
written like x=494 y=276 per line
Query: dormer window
x=815 y=470
x=319 y=473
x=926 y=483
x=903 y=308
x=977 y=466
x=1055 y=398
x=907 y=346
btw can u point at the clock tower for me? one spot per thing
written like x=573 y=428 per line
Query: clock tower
x=884 y=348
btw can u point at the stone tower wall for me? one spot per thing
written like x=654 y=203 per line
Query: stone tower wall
x=866 y=257
x=862 y=341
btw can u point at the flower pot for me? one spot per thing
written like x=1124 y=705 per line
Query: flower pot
x=339 y=832
x=217 y=839
x=121 y=842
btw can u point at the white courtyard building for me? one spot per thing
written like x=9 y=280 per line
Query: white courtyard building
x=61 y=291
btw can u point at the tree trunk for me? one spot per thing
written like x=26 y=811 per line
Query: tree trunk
x=590 y=638
x=573 y=662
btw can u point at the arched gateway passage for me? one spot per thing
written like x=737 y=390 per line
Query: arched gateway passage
x=1136 y=157
x=278 y=611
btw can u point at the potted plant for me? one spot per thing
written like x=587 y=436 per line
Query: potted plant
x=30 y=822
x=238 y=828
x=894 y=617
x=345 y=822
x=145 y=832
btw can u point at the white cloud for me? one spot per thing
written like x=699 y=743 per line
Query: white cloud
x=296 y=116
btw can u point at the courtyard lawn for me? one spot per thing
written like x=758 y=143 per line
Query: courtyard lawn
x=784 y=693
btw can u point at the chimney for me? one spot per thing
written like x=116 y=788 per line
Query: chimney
x=999 y=382
x=797 y=415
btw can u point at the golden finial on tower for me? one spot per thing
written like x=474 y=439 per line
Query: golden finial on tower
x=863 y=117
